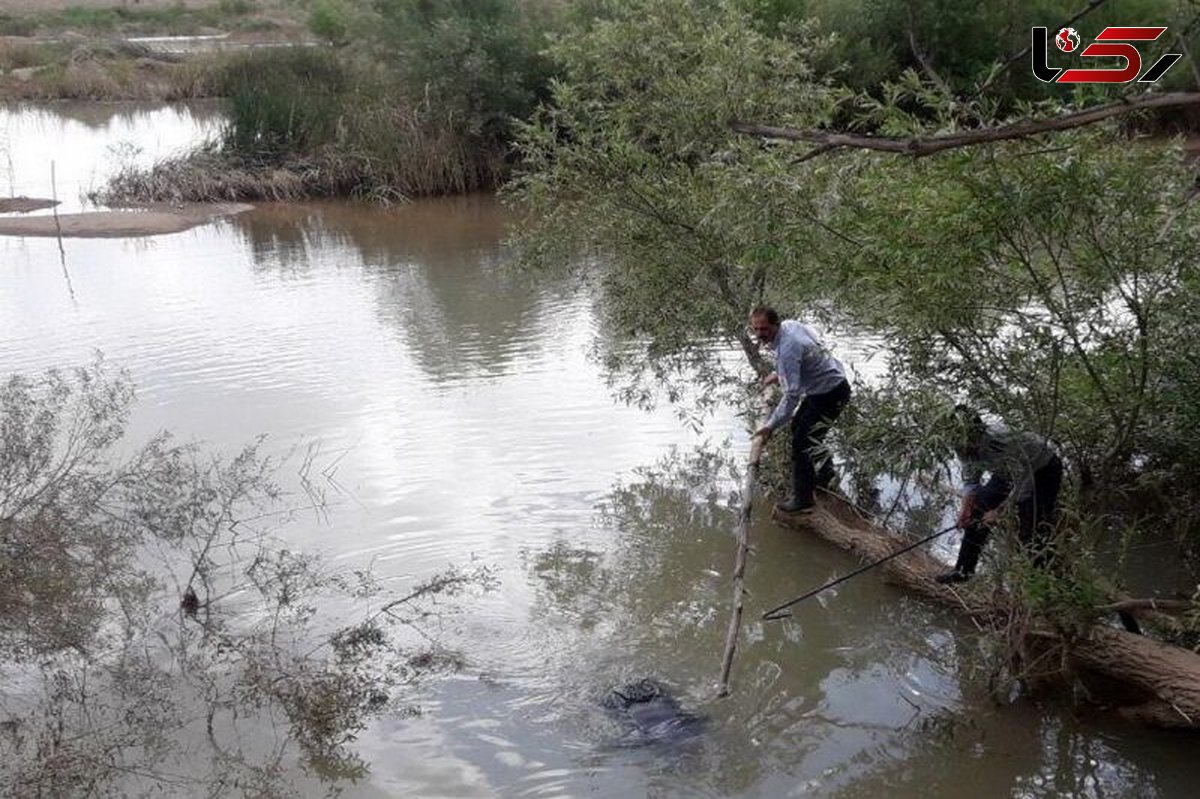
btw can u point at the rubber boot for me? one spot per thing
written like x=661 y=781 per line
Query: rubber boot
x=968 y=555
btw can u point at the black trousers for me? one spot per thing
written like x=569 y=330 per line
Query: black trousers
x=809 y=427
x=1037 y=515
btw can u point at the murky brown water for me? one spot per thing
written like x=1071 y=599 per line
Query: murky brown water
x=468 y=425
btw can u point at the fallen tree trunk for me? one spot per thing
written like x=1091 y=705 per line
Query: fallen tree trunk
x=1156 y=683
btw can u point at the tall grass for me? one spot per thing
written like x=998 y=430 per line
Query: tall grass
x=285 y=101
x=305 y=122
x=423 y=102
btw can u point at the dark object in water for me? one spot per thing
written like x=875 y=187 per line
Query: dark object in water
x=652 y=714
x=190 y=602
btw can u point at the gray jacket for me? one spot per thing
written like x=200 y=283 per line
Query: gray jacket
x=804 y=366
x=1009 y=454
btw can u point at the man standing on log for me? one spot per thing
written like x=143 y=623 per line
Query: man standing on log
x=802 y=367
x=1023 y=468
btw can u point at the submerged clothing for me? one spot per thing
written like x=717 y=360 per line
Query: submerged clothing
x=1012 y=456
x=1037 y=514
x=804 y=367
x=809 y=426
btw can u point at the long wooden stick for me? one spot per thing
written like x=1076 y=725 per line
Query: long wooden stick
x=739 y=566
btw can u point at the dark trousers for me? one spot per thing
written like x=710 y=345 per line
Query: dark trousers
x=1037 y=516
x=809 y=426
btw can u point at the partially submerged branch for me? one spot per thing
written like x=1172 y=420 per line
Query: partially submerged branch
x=1156 y=683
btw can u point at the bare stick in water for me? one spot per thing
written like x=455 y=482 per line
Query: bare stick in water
x=739 y=566
x=62 y=253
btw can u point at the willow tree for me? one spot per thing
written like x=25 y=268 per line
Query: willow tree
x=633 y=160
x=1041 y=272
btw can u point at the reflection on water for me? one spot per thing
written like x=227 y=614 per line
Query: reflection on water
x=82 y=143
x=454 y=417
x=441 y=276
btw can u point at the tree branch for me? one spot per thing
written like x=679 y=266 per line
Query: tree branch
x=918 y=147
x=1149 y=604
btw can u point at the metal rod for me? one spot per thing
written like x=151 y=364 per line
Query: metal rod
x=774 y=615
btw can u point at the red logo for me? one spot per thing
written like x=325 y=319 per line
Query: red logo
x=1111 y=43
x=1067 y=40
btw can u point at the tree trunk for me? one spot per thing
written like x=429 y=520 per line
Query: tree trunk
x=1148 y=681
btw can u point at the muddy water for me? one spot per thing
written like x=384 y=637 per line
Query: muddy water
x=457 y=418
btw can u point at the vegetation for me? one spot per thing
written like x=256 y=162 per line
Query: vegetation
x=99 y=71
x=152 y=625
x=416 y=99
x=1046 y=279
x=164 y=20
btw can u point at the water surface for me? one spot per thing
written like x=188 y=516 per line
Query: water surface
x=452 y=407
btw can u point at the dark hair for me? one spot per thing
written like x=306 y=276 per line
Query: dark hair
x=968 y=416
x=971 y=429
x=772 y=315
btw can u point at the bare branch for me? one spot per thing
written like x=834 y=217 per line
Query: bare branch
x=918 y=147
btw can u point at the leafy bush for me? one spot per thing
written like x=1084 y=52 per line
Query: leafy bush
x=329 y=20
x=482 y=61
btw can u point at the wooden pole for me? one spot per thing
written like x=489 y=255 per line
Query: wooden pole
x=739 y=566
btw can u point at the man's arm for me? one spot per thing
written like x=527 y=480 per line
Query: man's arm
x=972 y=473
x=788 y=367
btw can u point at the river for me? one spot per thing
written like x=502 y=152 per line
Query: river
x=452 y=405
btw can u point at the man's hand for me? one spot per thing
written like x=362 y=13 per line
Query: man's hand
x=964 y=513
x=771 y=379
x=763 y=432
x=991 y=516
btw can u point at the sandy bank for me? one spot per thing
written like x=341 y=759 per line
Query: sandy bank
x=150 y=221
x=23 y=205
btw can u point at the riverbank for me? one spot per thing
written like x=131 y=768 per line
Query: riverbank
x=97 y=69
x=54 y=18
x=157 y=50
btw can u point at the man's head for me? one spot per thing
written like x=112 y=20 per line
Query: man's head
x=764 y=321
x=969 y=431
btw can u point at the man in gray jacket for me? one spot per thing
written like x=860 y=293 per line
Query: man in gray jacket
x=803 y=368
x=1022 y=468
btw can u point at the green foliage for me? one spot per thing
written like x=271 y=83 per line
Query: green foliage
x=957 y=44
x=329 y=19
x=1043 y=285
x=634 y=157
x=1049 y=281
x=480 y=61
x=1069 y=595
x=236 y=8
x=284 y=100
x=173 y=20
x=14 y=25
x=421 y=104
